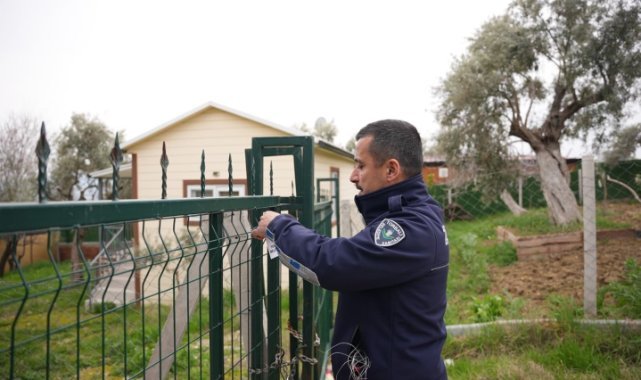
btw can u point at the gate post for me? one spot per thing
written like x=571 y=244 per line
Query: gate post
x=305 y=189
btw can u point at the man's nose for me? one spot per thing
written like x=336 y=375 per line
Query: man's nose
x=353 y=177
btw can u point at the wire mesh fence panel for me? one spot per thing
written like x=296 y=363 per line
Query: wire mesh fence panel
x=131 y=310
x=173 y=288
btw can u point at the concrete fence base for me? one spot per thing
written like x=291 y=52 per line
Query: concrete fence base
x=472 y=328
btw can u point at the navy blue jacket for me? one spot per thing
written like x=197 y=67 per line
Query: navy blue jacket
x=391 y=278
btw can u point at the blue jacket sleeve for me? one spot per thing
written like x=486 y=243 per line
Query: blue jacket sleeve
x=357 y=263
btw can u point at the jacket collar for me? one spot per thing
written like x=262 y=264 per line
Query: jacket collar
x=404 y=193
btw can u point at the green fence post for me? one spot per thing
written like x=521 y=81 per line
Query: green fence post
x=273 y=303
x=273 y=274
x=256 y=270
x=325 y=305
x=216 y=344
x=304 y=167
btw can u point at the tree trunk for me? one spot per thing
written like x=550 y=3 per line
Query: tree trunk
x=6 y=255
x=562 y=205
x=511 y=204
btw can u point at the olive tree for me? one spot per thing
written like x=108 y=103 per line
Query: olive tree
x=81 y=147
x=544 y=71
x=625 y=142
x=323 y=129
x=18 y=163
x=18 y=136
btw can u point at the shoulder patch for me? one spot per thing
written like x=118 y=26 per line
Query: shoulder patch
x=388 y=233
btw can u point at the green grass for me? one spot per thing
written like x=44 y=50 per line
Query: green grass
x=623 y=298
x=536 y=222
x=550 y=351
x=499 y=253
x=109 y=333
x=564 y=349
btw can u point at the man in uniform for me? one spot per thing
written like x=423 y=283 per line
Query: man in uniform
x=392 y=276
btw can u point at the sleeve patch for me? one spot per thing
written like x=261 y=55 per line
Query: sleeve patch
x=388 y=233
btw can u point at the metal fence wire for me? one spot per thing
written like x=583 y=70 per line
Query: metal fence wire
x=175 y=289
x=620 y=181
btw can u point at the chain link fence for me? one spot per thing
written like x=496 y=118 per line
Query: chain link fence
x=619 y=182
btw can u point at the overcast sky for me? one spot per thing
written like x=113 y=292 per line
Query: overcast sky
x=138 y=64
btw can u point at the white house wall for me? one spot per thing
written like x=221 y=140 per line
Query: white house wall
x=220 y=134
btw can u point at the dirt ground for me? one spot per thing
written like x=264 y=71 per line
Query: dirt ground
x=562 y=273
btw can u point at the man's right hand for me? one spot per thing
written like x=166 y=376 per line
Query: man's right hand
x=260 y=231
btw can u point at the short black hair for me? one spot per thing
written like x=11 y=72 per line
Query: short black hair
x=395 y=139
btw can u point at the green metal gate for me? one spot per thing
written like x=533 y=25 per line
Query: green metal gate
x=190 y=296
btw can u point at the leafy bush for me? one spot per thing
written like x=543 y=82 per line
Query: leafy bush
x=488 y=308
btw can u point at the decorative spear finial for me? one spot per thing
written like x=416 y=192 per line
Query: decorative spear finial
x=271 y=178
x=164 y=162
x=231 y=179
x=116 y=160
x=42 y=151
x=202 y=174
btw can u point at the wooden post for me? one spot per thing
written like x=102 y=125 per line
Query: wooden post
x=589 y=238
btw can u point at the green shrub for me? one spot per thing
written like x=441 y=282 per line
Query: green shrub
x=488 y=308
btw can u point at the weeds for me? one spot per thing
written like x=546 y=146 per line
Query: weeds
x=625 y=293
x=565 y=310
x=500 y=253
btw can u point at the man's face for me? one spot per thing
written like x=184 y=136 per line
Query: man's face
x=367 y=175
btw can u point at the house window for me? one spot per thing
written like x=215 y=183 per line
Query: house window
x=215 y=190
x=442 y=172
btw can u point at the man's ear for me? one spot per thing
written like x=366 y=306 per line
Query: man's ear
x=393 y=173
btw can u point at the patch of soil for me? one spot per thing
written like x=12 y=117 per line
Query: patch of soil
x=562 y=273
